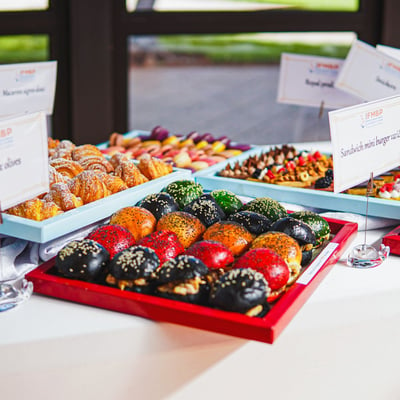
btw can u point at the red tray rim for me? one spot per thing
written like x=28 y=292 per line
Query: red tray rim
x=265 y=329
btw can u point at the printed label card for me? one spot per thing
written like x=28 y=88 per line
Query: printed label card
x=309 y=81
x=27 y=88
x=24 y=170
x=390 y=51
x=368 y=73
x=365 y=138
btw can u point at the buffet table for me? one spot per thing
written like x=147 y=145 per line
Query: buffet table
x=343 y=343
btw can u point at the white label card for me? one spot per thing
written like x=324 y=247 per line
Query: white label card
x=24 y=170
x=309 y=81
x=27 y=88
x=365 y=139
x=368 y=73
x=390 y=51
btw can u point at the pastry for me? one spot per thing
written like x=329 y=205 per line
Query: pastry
x=56 y=177
x=231 y=234
x=117 y=158
x=61 y=195
x=254 y=222
x=88 y=186
x=285 y=246
x=152 y=167
x=130 y=174
x=35 y=209
x=184 y=191
x=166 y=244
x=63 y=150
x=299 y=231
x=159 y=204
x=187 y=227
x=86 y=150
x=82 y=259
x=206 y=209
x=96 y=163
x=214 y=254
x=139 y=221
x=114 y=238
x=183 y=278
x=113 y=183
x=318 y=224
x=267 y=206
x=68 y=168
x=241 y=290
x=228 y=201
x=134 y=269
x=271 y=265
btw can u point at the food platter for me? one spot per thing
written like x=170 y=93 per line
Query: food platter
x=55 y=227
x=265 y=329
x=308 y=197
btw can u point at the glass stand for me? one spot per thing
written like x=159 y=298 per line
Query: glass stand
x=367 y=256
x=14 y=292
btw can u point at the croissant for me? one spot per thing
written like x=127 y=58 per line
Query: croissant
x=96 y=163
x=86 y=150
x=88 y=186
x=56 y=177
x=114 y=183
x=63 y=150
x=130 y=174
x=65 y=167
x=36 y=209
x=152 y=167
x=63 y=197
x=117 y=158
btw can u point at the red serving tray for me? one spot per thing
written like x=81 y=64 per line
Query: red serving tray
x=392 y=239
x=265 y=329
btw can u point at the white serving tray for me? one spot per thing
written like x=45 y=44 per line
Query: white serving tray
x=55 y=227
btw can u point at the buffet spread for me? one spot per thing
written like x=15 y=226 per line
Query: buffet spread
x=190 y=229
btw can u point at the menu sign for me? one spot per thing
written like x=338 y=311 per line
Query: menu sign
x=369 y=74
x=365 y=139
x=309 y=81
x=27 y=88
x=24 y=170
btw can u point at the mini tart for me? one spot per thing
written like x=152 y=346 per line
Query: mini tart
x=133 y=268
x=165 y=243
x=266 y=206
x=273 y=267
x=318 y=224
x=228 y=201
x=159 y=204
x=186 y=226
x=114 y=238
x=184 y=191
x=241 y=290
x=82 y=259
x=214 y=254
x=254 y=222
x=231 y=234
x=139 y=221
x=285 y=246
x=183 y=278
x=206 y=209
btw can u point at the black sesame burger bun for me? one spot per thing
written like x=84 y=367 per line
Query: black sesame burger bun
x=239 y=290
x=135 y=262
x=82 y=259
x=181 y=268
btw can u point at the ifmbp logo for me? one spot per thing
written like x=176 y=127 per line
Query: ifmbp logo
x=25 y=75
x=324 y=68
x=371 y=118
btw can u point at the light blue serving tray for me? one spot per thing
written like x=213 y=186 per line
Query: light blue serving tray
x=55 y=227
x=301 y=196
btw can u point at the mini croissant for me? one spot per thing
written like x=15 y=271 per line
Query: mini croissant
x=130 y=174
x=36 y=209
x=152 y=167
x=88 y=186
x=63 y=197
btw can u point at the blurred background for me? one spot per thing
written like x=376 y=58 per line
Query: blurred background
x=204 y=65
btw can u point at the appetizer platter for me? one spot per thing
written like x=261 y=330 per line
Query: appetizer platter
x=303 y=177
x=205 y=259
x=194 y=151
